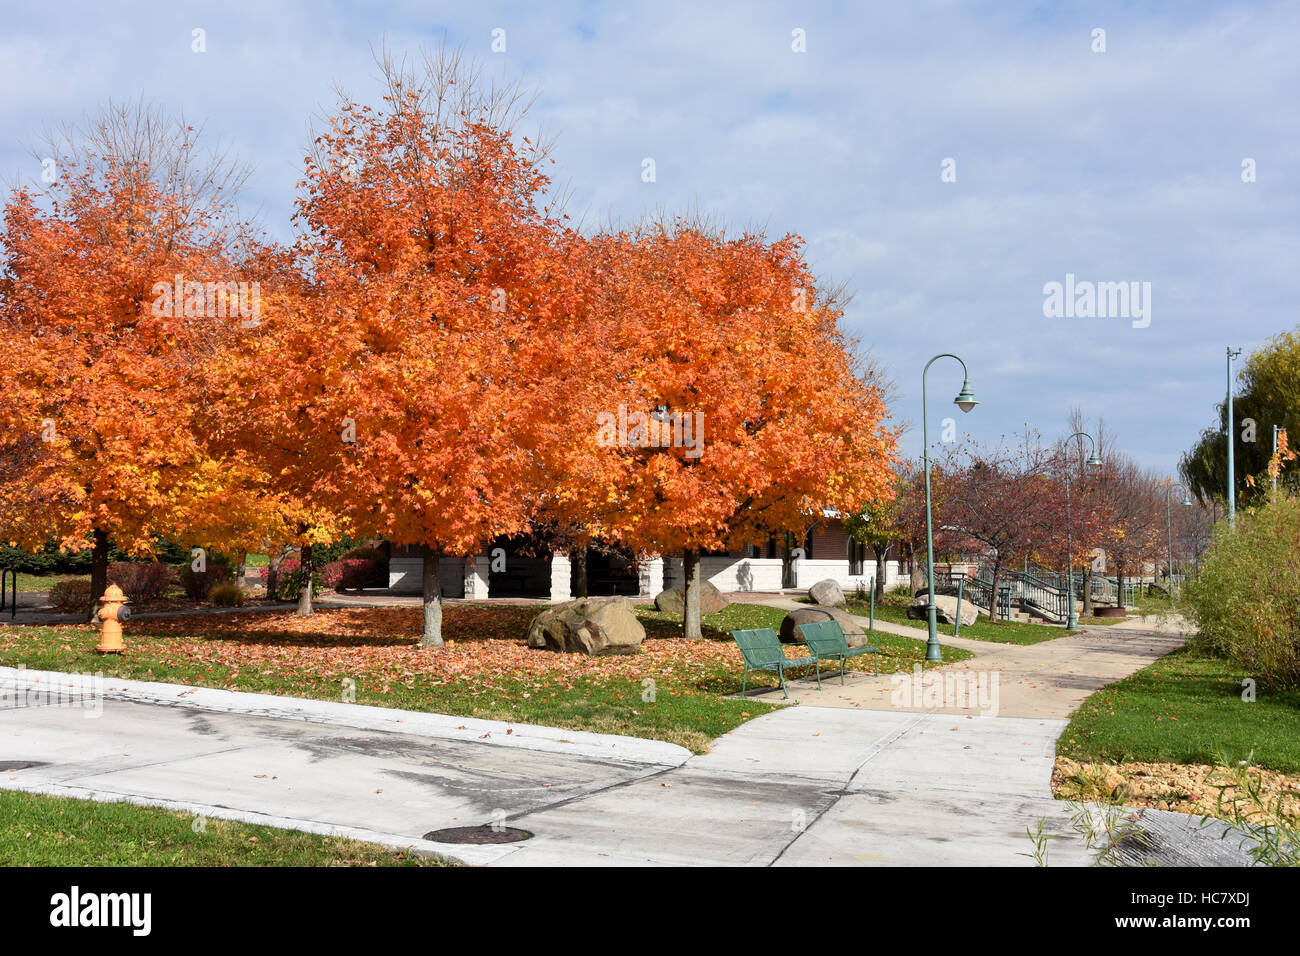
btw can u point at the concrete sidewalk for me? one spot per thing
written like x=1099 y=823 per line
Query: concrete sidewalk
x=370 y=773
x=810 y=785
x=854 y=782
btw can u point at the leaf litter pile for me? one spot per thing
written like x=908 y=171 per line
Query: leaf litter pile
x=485 y=645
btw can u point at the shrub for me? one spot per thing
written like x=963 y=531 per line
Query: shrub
x=72 y=595
x=227 y=595
x=348 y=574
x=378 y=577
x=365 y=554
x=199 y=584
x=290 y=582
x=1246 y=599
x=143 y=582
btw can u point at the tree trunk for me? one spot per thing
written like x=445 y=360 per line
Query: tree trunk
x=306 y=570
x=787 y=563
x=1119 y=585
x=880 y=577
x=1087 y=589
x=273 y=574
x=430 y=580
x=691 y=590
x=98 y=574
x=580 y=573
x=993 y=599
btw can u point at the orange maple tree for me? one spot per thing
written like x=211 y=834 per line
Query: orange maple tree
x=105 y=316
x=728 y=408
x=418 y=363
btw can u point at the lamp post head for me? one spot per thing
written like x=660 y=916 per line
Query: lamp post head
x=1187 y=500
x=965 y=399
x=1093 y=461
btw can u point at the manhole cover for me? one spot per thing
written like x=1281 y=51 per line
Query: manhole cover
x=478 y=835
x=9 y=765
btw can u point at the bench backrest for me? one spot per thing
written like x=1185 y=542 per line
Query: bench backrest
x=759 y=646
x=824 y=637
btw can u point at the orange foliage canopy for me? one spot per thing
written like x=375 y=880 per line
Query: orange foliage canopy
x=99 y=365
x=756 y=420
x=419 y=360
x=437 y=361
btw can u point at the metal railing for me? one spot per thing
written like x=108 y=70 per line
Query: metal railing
x=13 y=577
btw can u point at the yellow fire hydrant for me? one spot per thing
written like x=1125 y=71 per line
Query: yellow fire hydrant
x=112 y=612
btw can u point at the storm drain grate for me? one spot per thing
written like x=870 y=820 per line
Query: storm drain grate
x=479 y=836
x=6 y=766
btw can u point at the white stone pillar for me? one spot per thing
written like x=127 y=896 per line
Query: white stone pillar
x=561 y=569
x=477 y=569
x=651 y=574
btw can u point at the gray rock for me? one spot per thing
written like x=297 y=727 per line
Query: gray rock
x=595 y=626
x=673 y=601
x=853 y=632
x=827 y=593
x=947 y=609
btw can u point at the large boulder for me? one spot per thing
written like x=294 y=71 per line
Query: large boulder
x=853 y=632
x=948 y=589
x=673 y=601
x=827 y=593
x=946 y=609
x=596 y=626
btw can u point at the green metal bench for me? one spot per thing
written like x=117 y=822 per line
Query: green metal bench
x=763 y=651
x=826 y=642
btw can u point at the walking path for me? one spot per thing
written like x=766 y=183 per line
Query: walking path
x=1048 y=679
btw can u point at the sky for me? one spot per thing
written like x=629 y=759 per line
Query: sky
x=948 y=161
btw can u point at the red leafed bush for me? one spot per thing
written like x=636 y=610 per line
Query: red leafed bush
x=143 y=582
x=71 y=595
x=349 y=574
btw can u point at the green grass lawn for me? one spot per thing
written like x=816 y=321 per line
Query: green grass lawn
x=1094 y=621
x=1004 y=632
x=43 y=582
x=56 y=831
x=1186 y=708
x=675 y=690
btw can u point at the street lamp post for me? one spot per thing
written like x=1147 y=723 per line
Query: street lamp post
x=1071 y=617
x=1275 y=430
x=1169 y=530
x=1232 y=478
x=965 y=400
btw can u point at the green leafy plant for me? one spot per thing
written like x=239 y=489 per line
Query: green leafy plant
x=1246 y=600
x=1274 y=834
x=1110 y=830
x=1039 y=839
